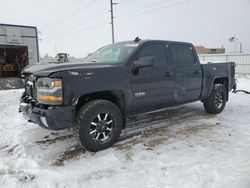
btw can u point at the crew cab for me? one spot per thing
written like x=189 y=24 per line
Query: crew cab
x=95 y=97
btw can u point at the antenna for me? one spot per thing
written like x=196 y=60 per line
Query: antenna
x=137 y=39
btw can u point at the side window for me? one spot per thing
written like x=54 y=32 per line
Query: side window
x=155 y=50
x=182 y=55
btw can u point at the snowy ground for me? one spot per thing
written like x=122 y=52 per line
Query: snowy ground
x=178 y=147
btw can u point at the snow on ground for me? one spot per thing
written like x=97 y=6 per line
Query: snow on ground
x=178 y=147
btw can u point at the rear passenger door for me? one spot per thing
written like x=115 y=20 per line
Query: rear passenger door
x=187 y=73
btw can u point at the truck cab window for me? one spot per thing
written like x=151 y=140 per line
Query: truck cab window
x=155 y=50
x=182 y=55
x=114 y=53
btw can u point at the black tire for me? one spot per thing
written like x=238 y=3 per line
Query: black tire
x=98 y=125
x=217 y=100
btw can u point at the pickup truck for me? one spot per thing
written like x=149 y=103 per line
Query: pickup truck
x=96 y=96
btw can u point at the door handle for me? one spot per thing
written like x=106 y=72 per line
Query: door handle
x=168 y=74
x=196 y=72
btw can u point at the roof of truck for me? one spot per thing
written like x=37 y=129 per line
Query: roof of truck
x=152 y=40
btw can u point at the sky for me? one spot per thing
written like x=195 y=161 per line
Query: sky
x=80 y=27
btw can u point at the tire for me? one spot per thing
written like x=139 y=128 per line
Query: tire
x=216 y=102
x=98 y=125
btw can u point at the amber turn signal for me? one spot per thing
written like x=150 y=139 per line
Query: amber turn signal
x=57 y=83
x=50 y=98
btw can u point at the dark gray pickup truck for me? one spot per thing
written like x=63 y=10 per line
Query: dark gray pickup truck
x=96 y=96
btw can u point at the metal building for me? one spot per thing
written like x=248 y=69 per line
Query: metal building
x=18 y=48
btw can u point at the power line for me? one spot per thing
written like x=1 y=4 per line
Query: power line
x=81 y=21
x=70 y=14
x=104 y=23
x=150 y=11
x=127 y=2
x=100 y=24
x=144 y=7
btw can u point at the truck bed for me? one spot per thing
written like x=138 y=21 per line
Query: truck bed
x=212 y=71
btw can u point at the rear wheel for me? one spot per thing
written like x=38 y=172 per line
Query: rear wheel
x=217 y=100
x=98 y=125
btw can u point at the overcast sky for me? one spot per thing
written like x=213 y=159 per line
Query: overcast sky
x=79 y=27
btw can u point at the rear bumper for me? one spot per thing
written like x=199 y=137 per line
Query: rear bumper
x=55 y=119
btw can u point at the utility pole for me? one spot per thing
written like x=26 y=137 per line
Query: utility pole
x=240 y=47
x=112 y=20
x=235 y=44
x=55 y=49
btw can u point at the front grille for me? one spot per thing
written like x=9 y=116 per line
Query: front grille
x=28 y=89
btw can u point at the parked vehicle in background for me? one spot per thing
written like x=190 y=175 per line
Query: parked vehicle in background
x=96 y=96
x=63 y=57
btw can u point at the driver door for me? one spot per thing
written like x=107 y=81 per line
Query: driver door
x=152 y=87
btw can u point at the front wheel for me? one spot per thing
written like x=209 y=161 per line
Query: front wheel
x=216 y=102
x=98 y=125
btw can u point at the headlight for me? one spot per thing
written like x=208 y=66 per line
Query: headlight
x=49 y=91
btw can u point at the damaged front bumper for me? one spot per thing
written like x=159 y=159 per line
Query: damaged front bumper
x=55 y=118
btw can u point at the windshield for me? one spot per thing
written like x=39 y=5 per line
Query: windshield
x=114 y=53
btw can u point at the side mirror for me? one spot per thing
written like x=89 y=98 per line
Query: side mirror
x=144 y=62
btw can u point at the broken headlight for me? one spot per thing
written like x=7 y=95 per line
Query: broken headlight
x=49 y=91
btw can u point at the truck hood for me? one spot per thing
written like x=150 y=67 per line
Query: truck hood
x=45 y=69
